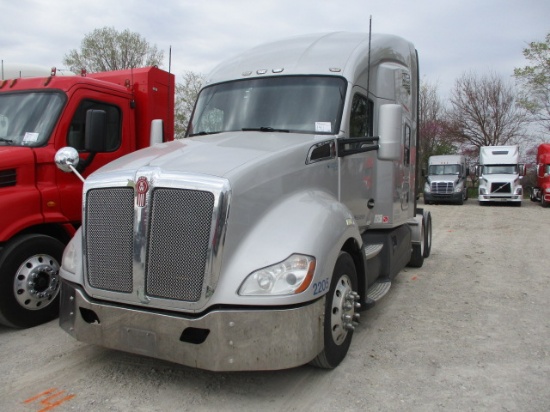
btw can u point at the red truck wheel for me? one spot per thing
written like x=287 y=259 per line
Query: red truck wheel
x=29 y=280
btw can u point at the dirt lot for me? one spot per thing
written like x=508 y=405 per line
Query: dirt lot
x=468 y=331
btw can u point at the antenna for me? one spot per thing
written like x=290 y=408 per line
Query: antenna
x=368 y=62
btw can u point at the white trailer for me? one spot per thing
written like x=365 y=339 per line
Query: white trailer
x=500 y=173
x=253 y=243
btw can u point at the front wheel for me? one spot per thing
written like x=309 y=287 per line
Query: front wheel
x=29 y=281
x=340 y=313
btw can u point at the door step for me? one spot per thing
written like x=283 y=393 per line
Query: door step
x=376 y=292
x=372 y=250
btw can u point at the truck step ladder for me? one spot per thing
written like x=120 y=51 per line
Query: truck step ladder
x=378 y=289
x=371 y=251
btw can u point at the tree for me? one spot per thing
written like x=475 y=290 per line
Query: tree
x=107 y=49
x=534 y=81
x=433 y=125
x=484 y=112
x=186 y=95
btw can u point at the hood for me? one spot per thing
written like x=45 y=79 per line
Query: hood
x=216 y=155
x=501 y=177
x=15 y=156
x=443 y=178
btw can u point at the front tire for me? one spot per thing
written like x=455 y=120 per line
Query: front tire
x=340 y=313
x=29 y=281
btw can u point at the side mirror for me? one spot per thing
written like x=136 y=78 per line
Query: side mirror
x=390 y=132
x=522 y=169
x=67 y=159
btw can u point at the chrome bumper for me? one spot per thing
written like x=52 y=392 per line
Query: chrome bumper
x=222 y=340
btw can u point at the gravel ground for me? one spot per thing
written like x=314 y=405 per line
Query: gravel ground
x=468 y=331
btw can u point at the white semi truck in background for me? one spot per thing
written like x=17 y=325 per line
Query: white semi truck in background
x=253 y=243
x=500 y=173
x=446 y=179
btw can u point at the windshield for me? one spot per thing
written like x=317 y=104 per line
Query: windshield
x=27 y=119
x=444 y=170
x=302 y=104
x=500 y=169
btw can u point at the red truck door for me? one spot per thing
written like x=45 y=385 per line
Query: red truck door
x=120 y=141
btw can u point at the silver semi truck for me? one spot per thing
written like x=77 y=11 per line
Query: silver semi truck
x=253 y=243
x=446 y=179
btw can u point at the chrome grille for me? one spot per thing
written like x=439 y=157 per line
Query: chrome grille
x=109 y=229
x=178 y=243
x=442 y=187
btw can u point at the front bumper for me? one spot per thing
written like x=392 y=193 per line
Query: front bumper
x=500 y=198
x=221 y=340
x=443 y=197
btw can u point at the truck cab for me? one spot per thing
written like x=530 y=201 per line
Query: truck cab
x=253 y=243
x=40 y=206
x=541 y=192
x=446 y=180
x=500 y=174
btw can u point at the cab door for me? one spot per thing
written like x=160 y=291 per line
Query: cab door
x=120 y=141
x=357 y=160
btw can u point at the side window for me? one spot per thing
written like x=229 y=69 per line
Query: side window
x=361 y=119
x=75 y=137
x=407 y=146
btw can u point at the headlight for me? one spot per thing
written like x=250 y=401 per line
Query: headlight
x=458 y=188
x=547 y=190
x=291 y=276
x=427 y=188
x=70 y=257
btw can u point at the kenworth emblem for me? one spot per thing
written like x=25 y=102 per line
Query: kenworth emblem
x=141 y=187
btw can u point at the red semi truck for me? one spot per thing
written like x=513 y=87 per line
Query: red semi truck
x=40 y=206
x=541 y=192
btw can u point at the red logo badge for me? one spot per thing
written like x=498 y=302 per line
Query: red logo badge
x=142 y=186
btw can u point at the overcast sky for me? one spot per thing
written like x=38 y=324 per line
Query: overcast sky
x=452 y=36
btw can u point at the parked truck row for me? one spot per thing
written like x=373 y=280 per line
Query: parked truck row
x=499 y=177
x=40 y=206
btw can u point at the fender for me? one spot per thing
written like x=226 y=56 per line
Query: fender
x=309 y=222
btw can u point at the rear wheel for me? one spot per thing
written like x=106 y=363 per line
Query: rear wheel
x=418 y=249
x=427 y=234
x=340 y=313
x=29 y=281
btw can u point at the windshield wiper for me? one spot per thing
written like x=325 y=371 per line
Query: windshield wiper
x=264 y=129
x=5 y=140
x=203 y=133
